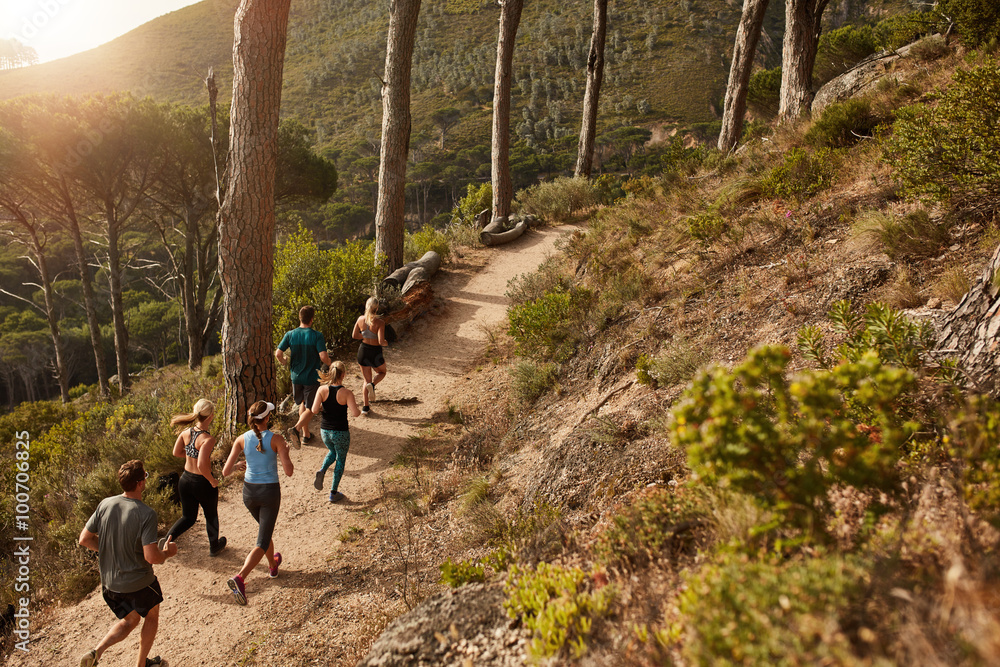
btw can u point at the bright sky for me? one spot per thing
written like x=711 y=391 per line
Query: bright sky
x=59 y=28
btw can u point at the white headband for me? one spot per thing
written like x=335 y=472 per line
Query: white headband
x=270 y=406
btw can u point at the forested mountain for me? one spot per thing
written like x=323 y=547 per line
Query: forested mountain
x=666 y=69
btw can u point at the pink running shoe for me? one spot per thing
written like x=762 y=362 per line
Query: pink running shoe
x=273 y=571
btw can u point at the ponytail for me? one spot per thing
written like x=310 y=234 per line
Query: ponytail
x=202 y=409
x=370 y=307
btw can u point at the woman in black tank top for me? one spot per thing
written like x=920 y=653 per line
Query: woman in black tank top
x=197 y=486
x=334 y=401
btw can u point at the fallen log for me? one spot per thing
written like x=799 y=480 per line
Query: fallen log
x=496 y=233
x=430 y=263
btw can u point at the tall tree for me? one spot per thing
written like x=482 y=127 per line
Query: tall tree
x=735 y=105
x=503 y=188
x=391 y=208
x=798 y=55
x=54 y=139
x=25 y=228
x=246 y=217
x=184 y=216
x=595 y=75
x=115 y=173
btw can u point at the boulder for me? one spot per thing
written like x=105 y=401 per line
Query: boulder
x=860 y=79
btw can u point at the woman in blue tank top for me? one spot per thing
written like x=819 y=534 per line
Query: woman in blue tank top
x=333 y=400
x=261 y=491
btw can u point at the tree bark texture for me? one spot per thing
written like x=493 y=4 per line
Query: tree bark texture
x=973 y=329
x=735 y=106
x=798 y=55
x=391 y=207
x=72 y=223
x=503 y=187
x=117 y=306
x=246 y=218
x=595 y=75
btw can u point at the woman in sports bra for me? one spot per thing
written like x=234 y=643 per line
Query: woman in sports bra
x=261 y=490
x=370 y=330
x=197 y=485
x=334 y=400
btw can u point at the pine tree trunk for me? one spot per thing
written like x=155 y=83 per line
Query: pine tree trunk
x=390 y=211
x=503 y=188
x=595 y=75
x=798 y=55
x=117 y=307
x=89 y=303
x=747 y=36
x=53 y=320
x=246 y=218
x=972 y=330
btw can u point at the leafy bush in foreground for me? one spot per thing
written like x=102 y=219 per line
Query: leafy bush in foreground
x=772 y=611
x=788 y=442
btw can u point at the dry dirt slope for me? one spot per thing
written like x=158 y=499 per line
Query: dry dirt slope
x=300 y=617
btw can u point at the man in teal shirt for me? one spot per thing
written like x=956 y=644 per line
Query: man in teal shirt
x=308 y=354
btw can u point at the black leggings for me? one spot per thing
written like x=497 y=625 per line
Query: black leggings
x=195 y=490
x=263 y=501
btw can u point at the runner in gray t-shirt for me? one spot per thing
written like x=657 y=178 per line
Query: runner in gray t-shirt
x=122 y=531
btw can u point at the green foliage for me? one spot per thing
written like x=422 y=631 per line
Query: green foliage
x=841 y=49
x=788 y=442
x=477 y=199
x=800 y=175
x=425 y=239
x=531 y=379
x=463 y=572
x=763 y=91
x=549 y=327
x=337 y=281
x=772 y=611
x=607 y=189
x=559 y=605
x=557 y=200
x=843 y=124
x=977 y=21
x=950 y=152
x=657 y=520
x=706 y=228
x=902 y=29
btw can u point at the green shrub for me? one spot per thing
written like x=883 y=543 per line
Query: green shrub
x=558 y=605
x=477 y=199
x=950 y=152
x=800 y=175
x=549 y=327
x=531 y=380
x=337 y=281
x=902 y=29
x=841 y=49
x=706 y=228
x=843 y=124
x=659 y=519
x=788 y=442
x=977 y=21
x=461 y=573
x=764 y=90
x=914 y=235
x=427 y=238
x=772 y=611
x=557 y=200
x=608 y=189
x=530 y=286
x=930 y=48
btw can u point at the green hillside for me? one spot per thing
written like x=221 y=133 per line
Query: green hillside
x=666 y=64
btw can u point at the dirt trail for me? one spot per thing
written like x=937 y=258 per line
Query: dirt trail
x=199 y=622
